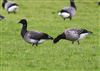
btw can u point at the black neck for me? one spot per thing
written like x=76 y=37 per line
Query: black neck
x=61 y=36
x=72 y=4
x=24 y=30
x=3 y=3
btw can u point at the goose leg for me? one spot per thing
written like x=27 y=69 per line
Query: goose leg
x=64 y=18
x=14 y=12
x=72 y=42
x=33 y=44
x=8 y=12
x=36 y=44
x=70 y=17
x=78 y=42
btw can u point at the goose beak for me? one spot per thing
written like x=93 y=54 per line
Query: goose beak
x=19 y=22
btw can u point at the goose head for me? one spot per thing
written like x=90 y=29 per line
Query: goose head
x=23 y=22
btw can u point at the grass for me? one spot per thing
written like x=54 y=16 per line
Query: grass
x=17 y=55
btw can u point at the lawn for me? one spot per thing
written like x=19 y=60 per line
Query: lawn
x=17 y=55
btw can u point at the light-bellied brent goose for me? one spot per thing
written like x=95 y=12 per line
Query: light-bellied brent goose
x=33 y=37
x=68 y=12
x=10 y=6
x=72 y=35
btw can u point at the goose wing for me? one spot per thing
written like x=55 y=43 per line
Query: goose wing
x=71 y=34
x=34 y=35
x=71 y=10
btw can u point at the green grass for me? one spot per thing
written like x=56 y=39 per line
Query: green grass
x=17 y=55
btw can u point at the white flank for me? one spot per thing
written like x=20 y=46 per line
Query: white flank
x=13 y=8
x=65 y=15
x=33 y=41
x=42 y=40
x=83 y=36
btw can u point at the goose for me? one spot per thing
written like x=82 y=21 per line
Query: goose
x=10 y=6
x=72 y=35
x=68 y=12
x=1 y=17
x=33 y=37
